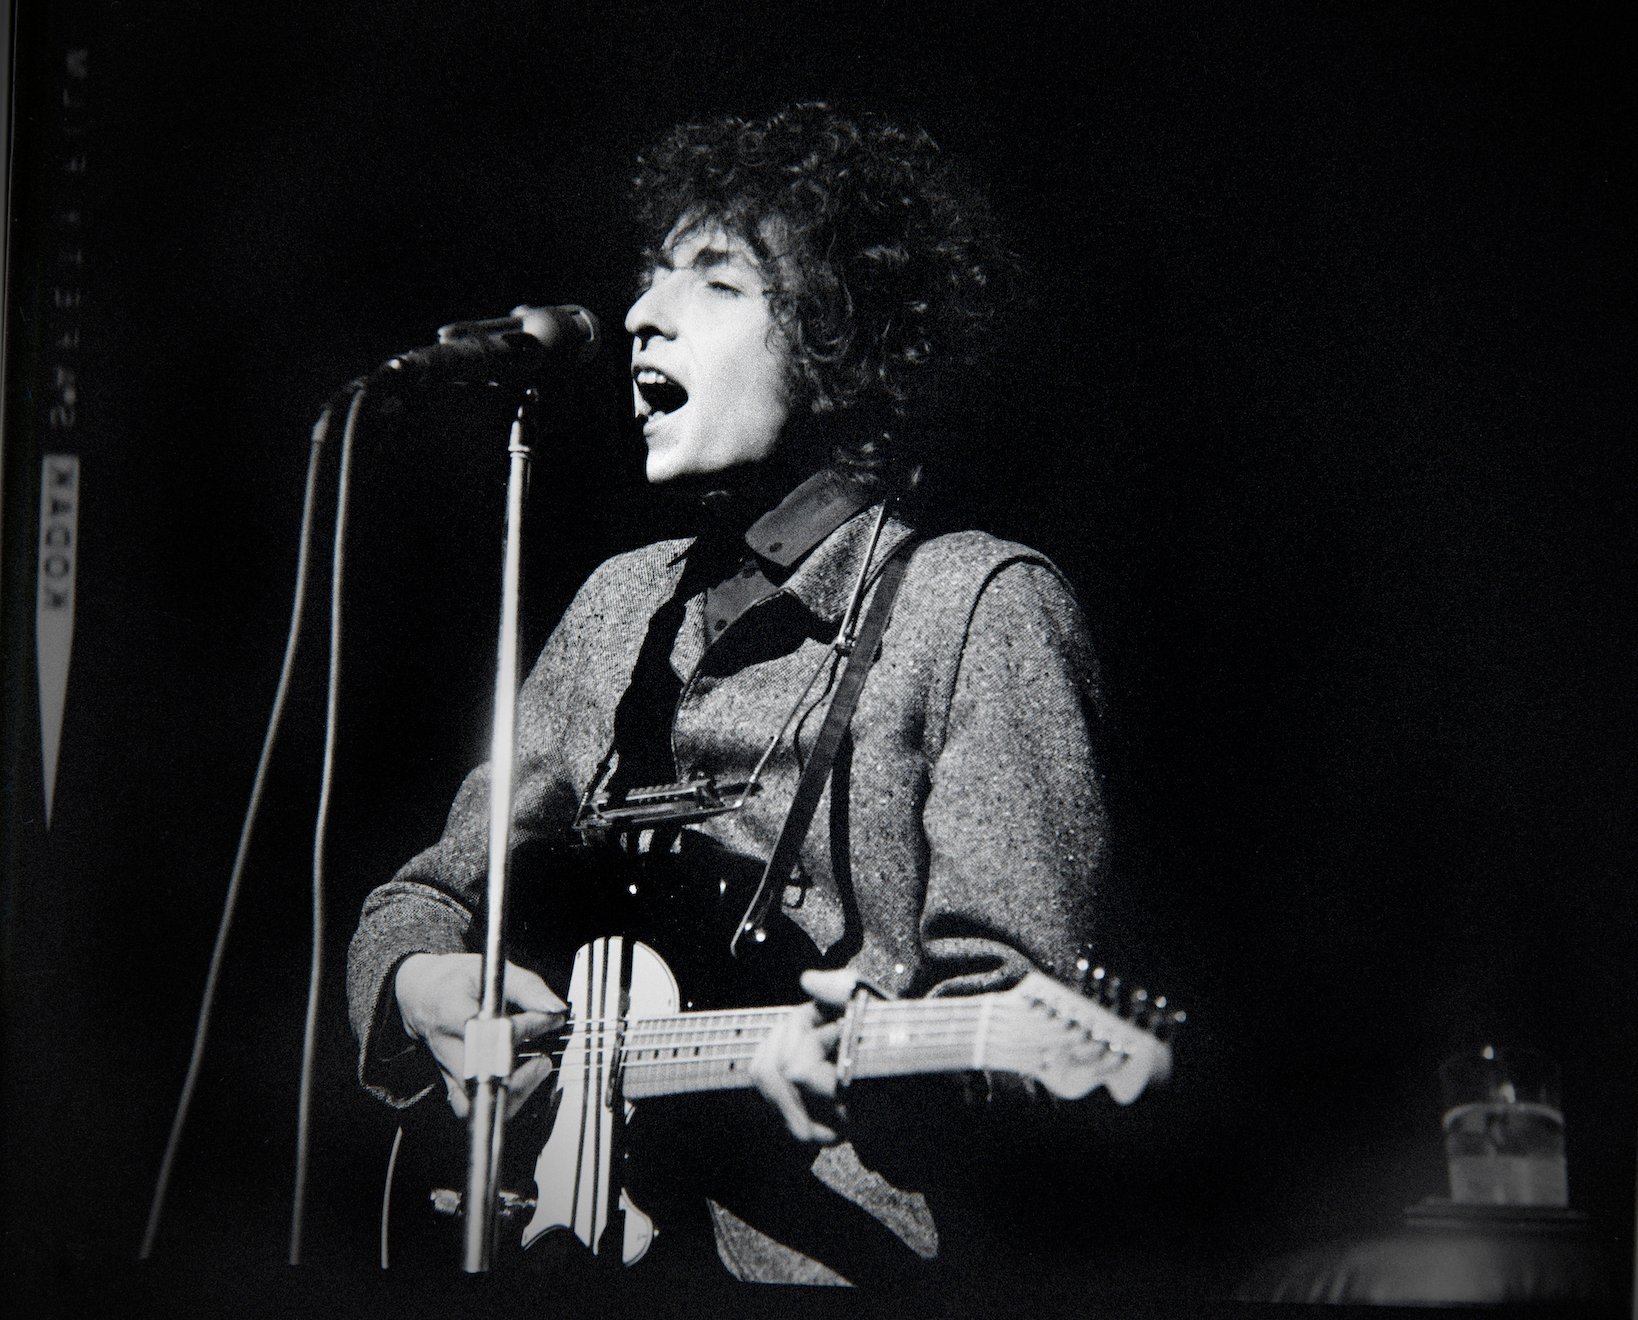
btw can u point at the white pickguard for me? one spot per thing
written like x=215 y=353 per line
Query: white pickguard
x=576 y=1176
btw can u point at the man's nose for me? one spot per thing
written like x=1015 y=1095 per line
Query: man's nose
x=651 y=314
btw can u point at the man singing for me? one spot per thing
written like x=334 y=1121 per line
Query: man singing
x=820 y=292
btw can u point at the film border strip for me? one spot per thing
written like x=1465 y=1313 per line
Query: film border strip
x=60 y=369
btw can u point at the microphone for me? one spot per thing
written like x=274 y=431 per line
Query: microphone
x=503 y=351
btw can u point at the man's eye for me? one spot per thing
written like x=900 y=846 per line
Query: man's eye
x=722 y=286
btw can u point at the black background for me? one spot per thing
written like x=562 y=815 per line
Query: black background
x=1325 y=410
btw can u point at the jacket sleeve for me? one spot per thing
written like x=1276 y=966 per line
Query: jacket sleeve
x=429 y=906
x=1014 y=818
x=1016 y=847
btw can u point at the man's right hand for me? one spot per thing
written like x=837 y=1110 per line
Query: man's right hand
x=438 y=993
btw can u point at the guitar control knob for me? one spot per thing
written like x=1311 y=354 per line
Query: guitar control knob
x=513 y=1204
x=447 y=1201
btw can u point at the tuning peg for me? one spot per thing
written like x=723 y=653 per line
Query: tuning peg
x=1147 y=1012
x=1167 y=1020
x=1155 y=1015
x=1097 y=983
x=1152 y=1013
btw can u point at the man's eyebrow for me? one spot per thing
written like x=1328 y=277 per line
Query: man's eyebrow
x=708 y=258
x=705 y=258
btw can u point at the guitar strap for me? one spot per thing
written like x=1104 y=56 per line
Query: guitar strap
x=782 y=863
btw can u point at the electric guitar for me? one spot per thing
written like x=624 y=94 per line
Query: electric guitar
x=626 y=1041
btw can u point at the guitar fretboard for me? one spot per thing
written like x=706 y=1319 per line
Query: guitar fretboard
x=712 y=1051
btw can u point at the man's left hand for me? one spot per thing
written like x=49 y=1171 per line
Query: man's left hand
x=795 y=1066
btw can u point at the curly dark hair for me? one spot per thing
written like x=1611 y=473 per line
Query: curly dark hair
x=889 y=277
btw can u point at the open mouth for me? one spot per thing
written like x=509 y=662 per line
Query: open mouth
x=659 y=394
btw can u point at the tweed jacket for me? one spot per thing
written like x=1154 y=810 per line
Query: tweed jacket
x=969 y=847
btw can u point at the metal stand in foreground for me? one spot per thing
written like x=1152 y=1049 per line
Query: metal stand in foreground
x=489 y=1044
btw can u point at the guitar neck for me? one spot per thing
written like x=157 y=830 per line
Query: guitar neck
x=712 y=1051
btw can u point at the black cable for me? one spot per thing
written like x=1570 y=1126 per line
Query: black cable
x=315 y=970
x=201 y=1031
x=386 y=1198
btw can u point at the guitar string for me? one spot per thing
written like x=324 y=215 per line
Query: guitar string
x=921 y=1014
x=951 y=1049
x=698 y=1045
x=709 y=1075
x=955 y=1059
x=713 y=1049
x=717 y=1041
x=963 y=1047
x=661 y=1033
x=680 y=1075
x=950 y=1003
x=717 y=1055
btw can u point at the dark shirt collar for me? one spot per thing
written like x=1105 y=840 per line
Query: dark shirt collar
x=808 y=546
x=805 y=517
x=824 y=581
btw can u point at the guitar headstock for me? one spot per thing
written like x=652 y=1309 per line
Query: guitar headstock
x=1107 y=1036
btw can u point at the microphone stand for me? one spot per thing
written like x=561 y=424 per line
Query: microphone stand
x=489 y=1044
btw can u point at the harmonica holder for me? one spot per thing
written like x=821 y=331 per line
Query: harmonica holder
x=682 y=803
